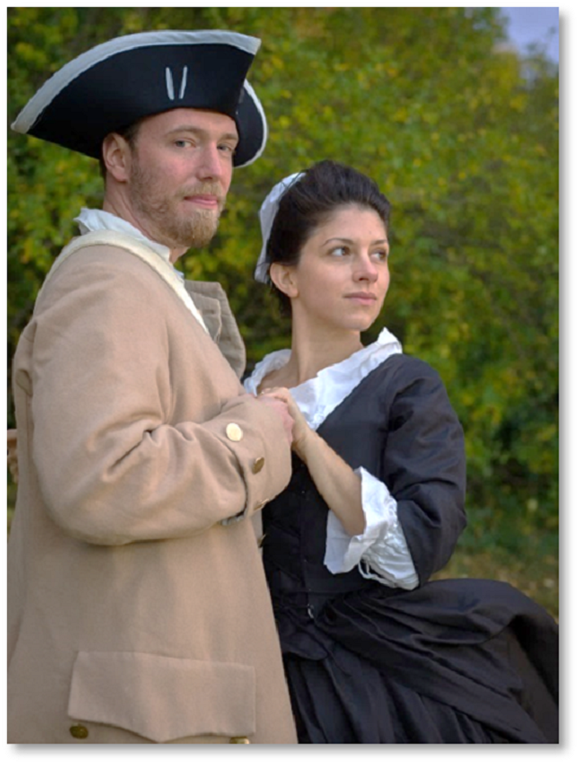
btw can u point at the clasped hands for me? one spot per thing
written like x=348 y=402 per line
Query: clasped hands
x=299 y=430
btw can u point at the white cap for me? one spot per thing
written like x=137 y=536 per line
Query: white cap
x=268 y=212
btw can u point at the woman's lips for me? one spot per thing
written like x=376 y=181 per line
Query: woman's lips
x=363 y=298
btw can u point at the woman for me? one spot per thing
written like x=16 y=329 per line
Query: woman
x=373 y=651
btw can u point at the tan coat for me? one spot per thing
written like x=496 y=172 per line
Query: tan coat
x=135 y=613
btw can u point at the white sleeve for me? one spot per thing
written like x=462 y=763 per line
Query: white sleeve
x=381 y=551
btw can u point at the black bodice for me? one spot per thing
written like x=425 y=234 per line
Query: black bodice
x=398 y=424
x=294 y=545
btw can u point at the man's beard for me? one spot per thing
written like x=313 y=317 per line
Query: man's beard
x=170 y=226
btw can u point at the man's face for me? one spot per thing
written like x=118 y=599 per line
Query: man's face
x=180 y=172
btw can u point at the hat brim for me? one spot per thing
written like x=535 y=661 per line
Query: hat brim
x=116 y=84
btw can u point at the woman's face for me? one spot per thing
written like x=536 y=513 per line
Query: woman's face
x=342 y=277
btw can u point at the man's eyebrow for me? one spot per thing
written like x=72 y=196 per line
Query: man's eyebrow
x=201 y=131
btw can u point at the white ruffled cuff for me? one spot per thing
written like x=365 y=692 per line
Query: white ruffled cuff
x=381 y=551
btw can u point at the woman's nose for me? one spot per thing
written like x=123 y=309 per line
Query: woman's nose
x=366 y=269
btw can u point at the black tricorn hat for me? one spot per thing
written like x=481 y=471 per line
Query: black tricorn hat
x=112 y=86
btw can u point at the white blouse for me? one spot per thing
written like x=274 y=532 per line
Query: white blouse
x=381 y=551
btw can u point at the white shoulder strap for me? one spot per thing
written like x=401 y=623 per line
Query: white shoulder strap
x=128 y=243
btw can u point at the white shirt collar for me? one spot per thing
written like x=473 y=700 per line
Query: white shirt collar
x=97 y=220
x=320 y=395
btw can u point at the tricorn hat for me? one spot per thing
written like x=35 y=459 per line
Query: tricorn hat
x=112 y=86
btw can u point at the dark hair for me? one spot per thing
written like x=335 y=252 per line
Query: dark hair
x=308 y=204
x=129 y=133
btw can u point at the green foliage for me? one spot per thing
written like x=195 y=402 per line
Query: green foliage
x=462 y=136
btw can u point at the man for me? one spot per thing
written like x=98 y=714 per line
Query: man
x=138 y=609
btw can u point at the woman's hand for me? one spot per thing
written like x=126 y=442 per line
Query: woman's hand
x=301 y=430
x=281 y=408
x=336 y=481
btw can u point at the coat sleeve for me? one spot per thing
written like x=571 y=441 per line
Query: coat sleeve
x=113 y=464
x=424 y=466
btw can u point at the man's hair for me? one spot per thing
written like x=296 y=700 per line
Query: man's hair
x=310 y=202
x=129 y=133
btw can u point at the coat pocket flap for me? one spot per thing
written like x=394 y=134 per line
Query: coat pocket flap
x=163 y=698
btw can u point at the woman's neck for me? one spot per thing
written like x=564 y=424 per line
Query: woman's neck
x=312 y=351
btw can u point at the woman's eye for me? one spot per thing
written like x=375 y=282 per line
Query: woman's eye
x=381 y=254
x=340 y=251
x=182 y=143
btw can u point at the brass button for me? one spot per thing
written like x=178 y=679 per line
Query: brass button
x=78 y=731
x=258 y=465
x=234 y=432
x=239 y=740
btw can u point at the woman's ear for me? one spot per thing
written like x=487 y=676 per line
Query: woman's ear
x=284 y=277
x=117 y=157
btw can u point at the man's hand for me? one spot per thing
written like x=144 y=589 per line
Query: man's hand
x=12 y=454
x=282 y=408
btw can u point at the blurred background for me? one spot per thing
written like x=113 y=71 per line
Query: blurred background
x=454 y=112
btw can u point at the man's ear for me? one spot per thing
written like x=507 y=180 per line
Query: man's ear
x=117 y=157
x=284 y=277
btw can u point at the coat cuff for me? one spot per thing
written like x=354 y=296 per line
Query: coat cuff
x=255 y=434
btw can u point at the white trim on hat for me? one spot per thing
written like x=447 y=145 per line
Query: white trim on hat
x=250 y=91
x=69 y=72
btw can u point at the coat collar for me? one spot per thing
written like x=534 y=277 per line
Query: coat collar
x=212 y=302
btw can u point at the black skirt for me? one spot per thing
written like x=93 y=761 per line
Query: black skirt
x=455 y=661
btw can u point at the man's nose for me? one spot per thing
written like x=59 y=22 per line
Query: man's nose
x=211 y=164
